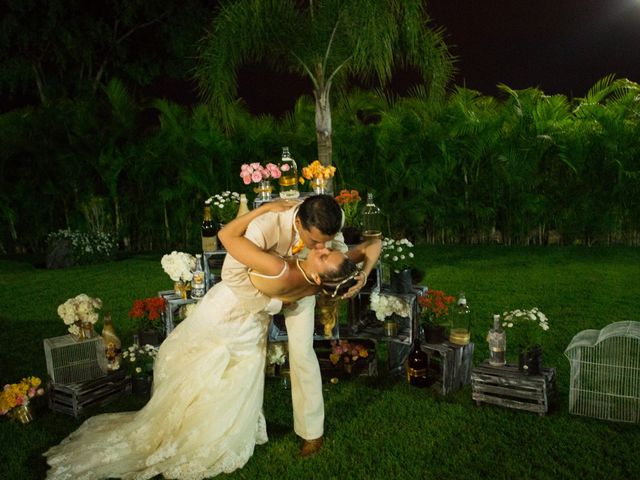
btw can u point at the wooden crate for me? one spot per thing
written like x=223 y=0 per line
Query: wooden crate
x=363 y=367
x=450 y=364
x=508 y=387
x=76 y=398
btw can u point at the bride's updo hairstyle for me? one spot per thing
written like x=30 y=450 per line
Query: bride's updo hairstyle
x=338 y=282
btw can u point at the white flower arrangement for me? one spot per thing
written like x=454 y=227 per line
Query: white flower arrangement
x=386 y=305
x=530 y=325
x=397 y=254
x=179 y=266
x=78 y=310
x=224 y=206
x=276 y=354
x=140 y=359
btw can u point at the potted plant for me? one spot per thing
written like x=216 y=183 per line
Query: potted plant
x=224 y=206
x=318 y=176
x=348 y=354
x=15 y=399
x=349 y=201
x=398 y=257
x=527 y=328
x=139 y=361
x=256 y=173
x=148 y=315
x=80 y=314
x=434 y=311
x=179 y=266
x=387 y=308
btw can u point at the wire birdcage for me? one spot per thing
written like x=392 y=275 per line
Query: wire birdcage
x=69 y=361
x=605 y=372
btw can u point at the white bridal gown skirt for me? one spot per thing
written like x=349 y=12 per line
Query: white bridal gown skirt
x=205 y=414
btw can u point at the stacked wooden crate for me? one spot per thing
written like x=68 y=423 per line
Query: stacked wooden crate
x=78 y=378
x=508 y=387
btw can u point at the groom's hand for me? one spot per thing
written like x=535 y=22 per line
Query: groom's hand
x=353 y=291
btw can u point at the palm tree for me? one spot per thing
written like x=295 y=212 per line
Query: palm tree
x=325 y=40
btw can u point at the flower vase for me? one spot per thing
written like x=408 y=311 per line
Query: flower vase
x=319 y=185
x=182 y=289
x=85 y=331
x=141 y=385
x=348 y=368
x=401 y=281
x=21 y=413
x=263 y=191
x=530 y=360
x=327 y=310
x=391 y=326
x=434 y=333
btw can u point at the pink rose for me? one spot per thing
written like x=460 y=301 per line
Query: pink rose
x=256 y=176
x=246 y=178
x=285 y=167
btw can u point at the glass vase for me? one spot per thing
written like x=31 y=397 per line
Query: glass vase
x=263 y=191
x=21 y=413
x=319 y=185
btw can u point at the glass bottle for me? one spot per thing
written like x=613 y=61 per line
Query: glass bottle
x=209 y=230
x=461 y=322
x=371 y=219
x=417 y=365
x=243 y=207
x=112 y=344
x=197 y=282
x=289 y=179
x=497 y=340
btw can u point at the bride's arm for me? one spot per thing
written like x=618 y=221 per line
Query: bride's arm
x=243 y=249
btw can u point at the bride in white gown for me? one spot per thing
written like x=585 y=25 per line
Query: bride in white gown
x=205 y=415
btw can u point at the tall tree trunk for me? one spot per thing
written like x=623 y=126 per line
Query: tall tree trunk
x=323 y=125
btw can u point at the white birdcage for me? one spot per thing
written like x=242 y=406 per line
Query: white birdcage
x=69 y=361
x=605 y=372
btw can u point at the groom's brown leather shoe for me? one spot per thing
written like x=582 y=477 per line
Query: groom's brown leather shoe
x=309 y=447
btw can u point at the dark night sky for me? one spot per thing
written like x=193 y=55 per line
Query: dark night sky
x=560 y=46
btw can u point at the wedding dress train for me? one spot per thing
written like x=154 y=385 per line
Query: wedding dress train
x=205 y=414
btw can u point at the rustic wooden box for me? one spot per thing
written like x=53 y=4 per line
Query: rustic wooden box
x=509 y=387
x=363 y=367
x=450 y=364
x=76 y=398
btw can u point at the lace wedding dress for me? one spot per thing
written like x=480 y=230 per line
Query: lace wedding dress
x=205 y=414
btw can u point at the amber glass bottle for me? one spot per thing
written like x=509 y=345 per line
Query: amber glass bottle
x=418 y=365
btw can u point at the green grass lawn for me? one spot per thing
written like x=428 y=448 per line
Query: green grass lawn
x=375 y=427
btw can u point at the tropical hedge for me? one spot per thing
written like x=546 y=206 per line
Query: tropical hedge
x=520 y=168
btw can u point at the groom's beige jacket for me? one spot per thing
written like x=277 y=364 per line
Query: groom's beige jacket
x=271 y=232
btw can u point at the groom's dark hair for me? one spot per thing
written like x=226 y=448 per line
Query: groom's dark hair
x=322 y=212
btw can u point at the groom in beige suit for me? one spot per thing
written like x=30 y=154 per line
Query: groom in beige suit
x=316 y=222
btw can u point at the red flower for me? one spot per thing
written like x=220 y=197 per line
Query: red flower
x=147 y=311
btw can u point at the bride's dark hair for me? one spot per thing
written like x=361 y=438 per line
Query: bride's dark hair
x=337 y=282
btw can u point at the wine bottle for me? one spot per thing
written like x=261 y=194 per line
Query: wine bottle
x=209 y=231
x=371 y=219
x=197 y=282
x=461 y=322
x=243 y=207
x=497 y=343
x=289 y=178
x=418 y=366
x=112 y=344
